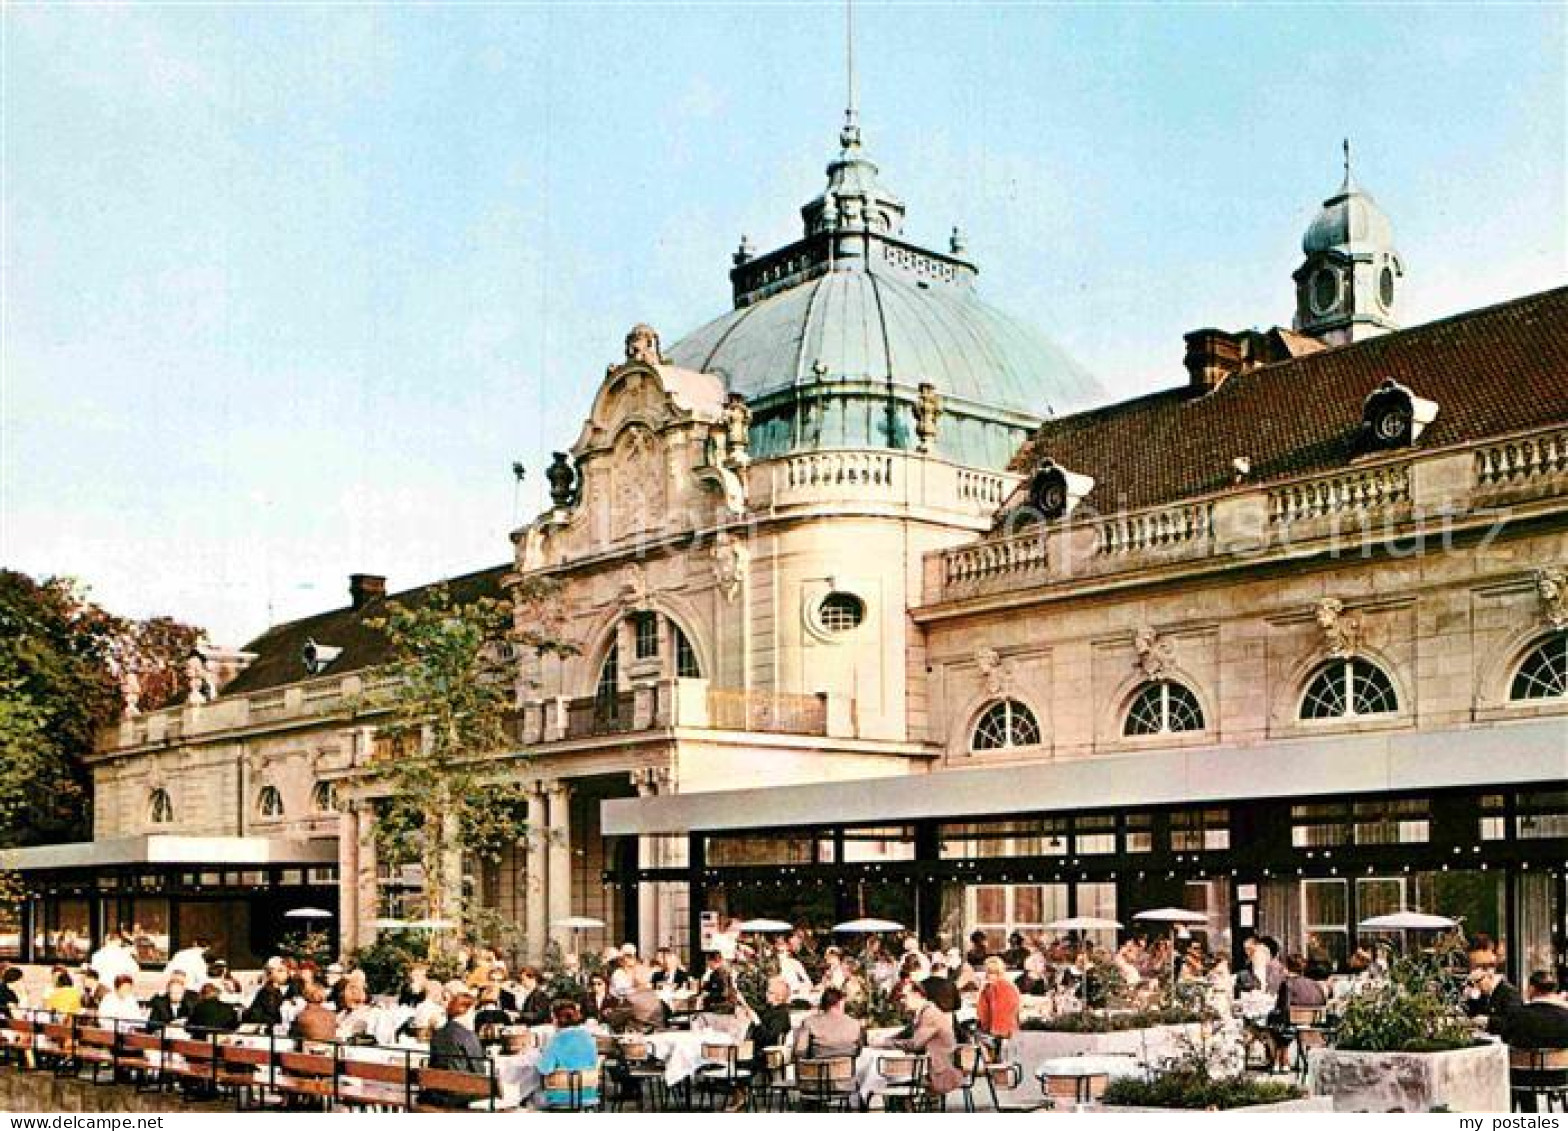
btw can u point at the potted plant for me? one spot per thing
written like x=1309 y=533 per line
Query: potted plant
x=1404 y=1044
x=1208 y=1075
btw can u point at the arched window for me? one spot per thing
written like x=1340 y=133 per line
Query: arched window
x=686 y=666
x=160 y=808
x=269 y=802
x=1163 y=707
x=324 y=797
x=1543 y=673
x=1349 y=689
x=609 y=676
x=1005 y=724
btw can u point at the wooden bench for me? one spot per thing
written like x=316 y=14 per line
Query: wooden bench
x=245 y=1071
x=373 y=1086
x=190 y=1062
x=446 y=1089
x=304 y=1079
x=95 y=1048
x=576 y=1085
x=139 y=1055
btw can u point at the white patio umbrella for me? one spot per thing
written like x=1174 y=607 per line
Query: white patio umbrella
x=1408 y=921
x=389 y=924
x=1084 y=923
x=1171 y=915
x=766 y=926
x=432 y=924
x=868 y=926
x=578 y=923
x=308 y=913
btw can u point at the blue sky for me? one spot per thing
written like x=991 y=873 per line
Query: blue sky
x=288 y=288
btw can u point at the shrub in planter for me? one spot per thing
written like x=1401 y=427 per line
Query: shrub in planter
x=1415 y=1009
x=1192 y=1088
x=1093 y=1021
x=386 y=961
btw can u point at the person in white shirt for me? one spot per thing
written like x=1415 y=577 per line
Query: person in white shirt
x=113 y=959
x=192 y=962
x=792 y=971
x=121 y=1006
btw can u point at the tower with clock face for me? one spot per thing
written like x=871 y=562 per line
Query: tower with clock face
x=1349 y=282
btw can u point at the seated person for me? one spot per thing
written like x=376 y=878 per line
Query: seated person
x=64 y=997
x=211 y=1014
x=829 y=1032
x=315 y=1022
x=572 y=1049
x=1297 y=991
x=172 y=1007
x=640 y=1011
x=489 y=1010
x=456 y=1048
x=533 y=1007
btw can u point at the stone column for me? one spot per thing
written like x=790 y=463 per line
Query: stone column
x=647 y=857
x=558 y=850
x=365 y=882
x=349 y=928
x=535 y=917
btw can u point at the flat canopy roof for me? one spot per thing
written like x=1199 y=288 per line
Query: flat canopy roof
x=160 y=849
x=1511 y=754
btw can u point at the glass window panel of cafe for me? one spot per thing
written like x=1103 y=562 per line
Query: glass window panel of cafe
x=1004 y=839
x=1325 y=918
x=1201 y=830
x=67 y=930
x=149 y=929
x=10 y=930
x=1001 y=909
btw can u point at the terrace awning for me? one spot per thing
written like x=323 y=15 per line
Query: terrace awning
x=158 y=850
x=1388 y=761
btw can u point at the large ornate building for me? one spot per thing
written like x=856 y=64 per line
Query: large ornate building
x=873 y=613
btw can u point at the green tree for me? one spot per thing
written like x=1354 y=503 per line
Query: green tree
x=58 y=657
x=449 y=701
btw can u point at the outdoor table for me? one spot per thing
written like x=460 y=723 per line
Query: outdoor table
x=517 y=1074
x=1084 y=1071
x=681 y=1050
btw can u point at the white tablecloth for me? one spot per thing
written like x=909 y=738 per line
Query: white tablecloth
x=681 y=1052
x=518 y=1075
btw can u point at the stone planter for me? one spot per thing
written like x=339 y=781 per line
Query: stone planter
x=1033 y=1046
x=1469 y=1079
x=1306 y=1103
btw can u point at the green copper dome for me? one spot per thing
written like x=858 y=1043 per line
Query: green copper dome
x=832 y=336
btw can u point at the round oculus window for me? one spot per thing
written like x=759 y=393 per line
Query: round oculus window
x=841 y=612
x=1325 y=290
x=1385 y=287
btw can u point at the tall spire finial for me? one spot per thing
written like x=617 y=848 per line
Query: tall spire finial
x=849 y=136
x=1347 y=163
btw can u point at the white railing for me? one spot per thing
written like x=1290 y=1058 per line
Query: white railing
x=840 y=469
x=981 y=487
x=1017 y=556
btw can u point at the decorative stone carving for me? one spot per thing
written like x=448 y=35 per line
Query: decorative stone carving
x=1155 y=653
x=639 y=477
x=928 y=413
x=731 y=561
x=562 y=477
x=1341 y=630
x=651 y=780
x=199 y=685
x=642 y=345
x=1551 y=587
x=634 y=590
x=737 y=431
x=996 y=672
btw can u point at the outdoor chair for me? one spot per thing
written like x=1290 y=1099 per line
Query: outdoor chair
x=95 y=1050
x=1001 y=1078
x=725 y=1070
x=191 y=1064
x=640 y=1075
x=1310 y=1031
x=825 y=1085
x=445 y=1089
x=1538 y=1079
x=770 y=1089
x=908 y=1077
x=970 y=1061
x=139 y=1057
x=577 y=1086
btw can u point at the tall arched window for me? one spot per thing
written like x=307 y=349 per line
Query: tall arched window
x=1005 y=724
x=160 y=808
x=1543 y=673
x=1163 y=707
x=269 y=802
x=658 y=646
x=1349 y=689
x=324 y=797
x=686 y=666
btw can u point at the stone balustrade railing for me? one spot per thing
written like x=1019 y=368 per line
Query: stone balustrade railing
x=305 y=701
x=865 y=477
x=667 y=704
x=1366 y=489
x=1401 y=492
x=1519 y=460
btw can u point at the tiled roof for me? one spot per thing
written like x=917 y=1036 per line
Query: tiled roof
x=278 y=650
x=1499 y=370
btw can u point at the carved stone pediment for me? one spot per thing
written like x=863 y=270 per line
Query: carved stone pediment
x=1155 y=653
x=1551 y=589
x=995 y=672
x=1342 y=631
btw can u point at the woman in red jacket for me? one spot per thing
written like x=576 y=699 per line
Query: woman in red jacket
x=997 y=1009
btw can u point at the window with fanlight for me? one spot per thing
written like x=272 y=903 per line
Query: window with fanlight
x=1003 y=725
x=324 y=797
x=1349 y=689
x=269 y=802
x=1163 y=707
x=1543 y=673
